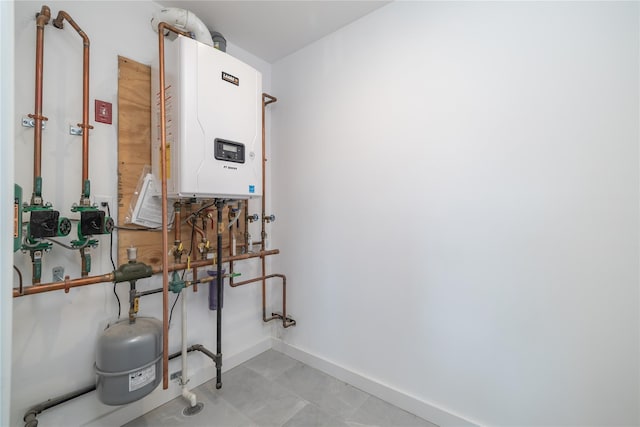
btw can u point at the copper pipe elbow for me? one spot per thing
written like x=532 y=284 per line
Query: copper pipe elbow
x=43 y=17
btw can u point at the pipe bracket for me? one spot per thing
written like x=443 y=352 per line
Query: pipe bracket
x=29 y=121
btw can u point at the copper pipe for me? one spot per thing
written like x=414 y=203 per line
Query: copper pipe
x=195 y=276
x=266 y=100
x=286 y=322
x=85 y=126
x=162 y=26
x=109 y=277
x=176 y=224
x=209 y=263
x=197 y=228
x=231 y=248
x=41 y=20
x=66 y=285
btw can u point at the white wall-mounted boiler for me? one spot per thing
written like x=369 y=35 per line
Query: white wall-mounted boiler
x=214 y=123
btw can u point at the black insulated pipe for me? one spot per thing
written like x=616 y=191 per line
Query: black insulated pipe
x=30 y=417
x=219 y=282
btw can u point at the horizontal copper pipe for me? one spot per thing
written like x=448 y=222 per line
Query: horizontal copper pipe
x=286 y=322
x=109 y=277
x=209 y=262
x=66 y=284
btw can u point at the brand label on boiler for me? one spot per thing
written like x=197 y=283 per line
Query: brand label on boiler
x=231 y=79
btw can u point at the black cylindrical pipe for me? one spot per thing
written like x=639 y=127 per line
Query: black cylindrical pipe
x=30 y=417
x=219 y=208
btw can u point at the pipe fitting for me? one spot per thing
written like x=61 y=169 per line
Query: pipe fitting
x=132 y=271
x=43 y=17
x=184 y=20
x=189 y=396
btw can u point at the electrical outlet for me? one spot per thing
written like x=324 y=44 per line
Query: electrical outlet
x=175 y=375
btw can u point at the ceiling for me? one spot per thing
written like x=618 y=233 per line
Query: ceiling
x=272 y=30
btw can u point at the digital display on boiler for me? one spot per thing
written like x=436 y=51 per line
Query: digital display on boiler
x=229 y=151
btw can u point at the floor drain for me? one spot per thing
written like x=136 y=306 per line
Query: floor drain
x=192 y=410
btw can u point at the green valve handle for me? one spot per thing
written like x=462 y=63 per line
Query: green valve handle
x=36 y=260
x=87 y=262
x=86 y=188
x=37 y=186
x=234 y=275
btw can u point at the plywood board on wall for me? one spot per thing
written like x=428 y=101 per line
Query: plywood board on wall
x=134 y=153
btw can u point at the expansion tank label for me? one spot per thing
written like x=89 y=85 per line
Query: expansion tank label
x=231 y=79
x=142 y=377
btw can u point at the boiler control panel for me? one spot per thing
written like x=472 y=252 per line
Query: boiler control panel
x=229 y=151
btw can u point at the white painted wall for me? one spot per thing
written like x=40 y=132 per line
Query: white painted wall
x=457 y=192
x=6 y=194
x=54 y=334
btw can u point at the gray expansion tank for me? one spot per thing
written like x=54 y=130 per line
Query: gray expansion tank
x=129 y=360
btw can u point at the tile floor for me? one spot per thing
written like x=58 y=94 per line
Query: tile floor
x=273 y=389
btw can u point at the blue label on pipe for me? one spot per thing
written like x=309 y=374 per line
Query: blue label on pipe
x=252 y=189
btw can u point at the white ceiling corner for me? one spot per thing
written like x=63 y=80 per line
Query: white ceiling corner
x=272 y=30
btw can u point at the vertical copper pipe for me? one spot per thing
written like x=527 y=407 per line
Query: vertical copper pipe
x=177 y=226
x=59 y=23
x=165 y=243
x=163 y=167
x=286 y=322
x=231 y=248
x=266 y=100
x=263 y=235
x=41 y=20
x=195 y=279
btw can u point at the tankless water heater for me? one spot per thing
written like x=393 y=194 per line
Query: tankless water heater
x=214 y=123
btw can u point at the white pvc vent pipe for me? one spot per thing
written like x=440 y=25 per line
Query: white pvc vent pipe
x=186 y=393
x=184 y=20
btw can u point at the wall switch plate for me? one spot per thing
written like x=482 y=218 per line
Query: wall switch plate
x=103 y=112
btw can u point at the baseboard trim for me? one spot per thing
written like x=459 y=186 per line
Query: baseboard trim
x=89 y=411
x=415 y=405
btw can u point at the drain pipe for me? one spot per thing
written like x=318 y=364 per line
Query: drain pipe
x=190 y=396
